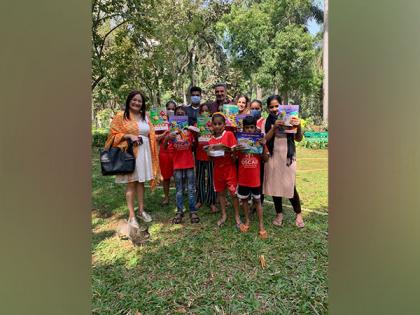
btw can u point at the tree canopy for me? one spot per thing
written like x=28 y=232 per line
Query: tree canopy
x=258 y=47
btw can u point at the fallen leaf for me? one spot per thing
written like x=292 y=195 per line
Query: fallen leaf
x=262 y=261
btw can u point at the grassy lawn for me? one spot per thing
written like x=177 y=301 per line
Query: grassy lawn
x=200 y=269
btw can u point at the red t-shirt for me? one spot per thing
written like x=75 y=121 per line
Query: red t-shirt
x=227 y=138
x=249 y=169
x=183 y=156
x=168 y=149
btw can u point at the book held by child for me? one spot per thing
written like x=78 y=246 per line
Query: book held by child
x=286 y=113
x=250 y=142
x=159 y=119
x=230 y=110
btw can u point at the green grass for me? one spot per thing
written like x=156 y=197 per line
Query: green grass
x=200 y=269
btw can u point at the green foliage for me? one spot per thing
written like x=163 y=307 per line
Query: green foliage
x=164 y=47
x=99 y=137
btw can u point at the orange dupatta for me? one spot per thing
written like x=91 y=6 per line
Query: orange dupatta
x=120 y=127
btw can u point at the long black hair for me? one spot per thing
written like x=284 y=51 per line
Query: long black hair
x=271 y=119
x=127 y=104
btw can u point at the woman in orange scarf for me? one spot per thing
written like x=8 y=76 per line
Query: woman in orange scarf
x=133 y=124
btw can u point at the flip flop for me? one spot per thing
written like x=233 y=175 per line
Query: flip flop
x=243 y=228
x=263 y=234
x=277 y=222
x=300 y=224
x=221 y=223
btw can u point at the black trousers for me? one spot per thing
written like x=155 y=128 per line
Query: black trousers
x=204 y=182
x=295 y=201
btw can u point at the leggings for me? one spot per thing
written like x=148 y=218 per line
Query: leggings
x=295 y=201
x=205 y=187
x=261 y=181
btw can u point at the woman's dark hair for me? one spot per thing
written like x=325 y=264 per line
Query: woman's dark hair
x=200 y=110
x=218 y=115
x=242 y=95
x=127 y=104
x=272 y=98
x=170 y=102
x=249 y=120
x=257 y=101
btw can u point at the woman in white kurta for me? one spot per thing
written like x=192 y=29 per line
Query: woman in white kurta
x=134 y=125
x=280 y=169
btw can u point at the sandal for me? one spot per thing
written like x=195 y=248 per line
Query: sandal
x=178 y=218
x=278 y=221
x=300 y=224
x=263 y=234
x=194 y=218
x=243 y=227
x=221 y=222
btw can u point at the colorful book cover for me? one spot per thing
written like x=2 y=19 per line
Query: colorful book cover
x=159 y=119
x=286 y=112
x=230 y=110
x=177 y=124
x=204 y=126
x=249 y=140
x=239 y=120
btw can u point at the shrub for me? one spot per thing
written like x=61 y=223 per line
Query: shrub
x=313 y=144
x=99 y=137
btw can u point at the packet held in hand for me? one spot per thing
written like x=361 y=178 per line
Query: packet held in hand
x=204 y=125
x=230 y=110
x=285 y=113
x=250 y=141
x=177 y=125
x=239 y=121
x=158 y=119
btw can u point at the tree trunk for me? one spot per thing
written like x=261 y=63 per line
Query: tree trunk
x=285 y=98
x=259 y=92
x=325 y=64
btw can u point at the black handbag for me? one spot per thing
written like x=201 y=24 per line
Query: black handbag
x=115 y=161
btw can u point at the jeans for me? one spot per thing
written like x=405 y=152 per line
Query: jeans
x=180 y=176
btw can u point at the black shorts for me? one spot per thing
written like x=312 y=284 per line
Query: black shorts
x=244 y=192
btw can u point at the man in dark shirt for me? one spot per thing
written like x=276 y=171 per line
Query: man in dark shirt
x=220 y=92
x=194 y=107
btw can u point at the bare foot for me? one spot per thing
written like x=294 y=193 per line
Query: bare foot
x=198 y=205
x=214 y=209
x=299 y=221
x=238 y=221
x=165 y=202
x=222 y=221
x=278 y=221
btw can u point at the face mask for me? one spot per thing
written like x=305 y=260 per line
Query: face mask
x=256 y=113
x=170 y=112
x=195 y=99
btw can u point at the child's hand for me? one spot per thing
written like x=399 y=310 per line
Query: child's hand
x=279 y=123
x=294 y=121
x=262 y=141
x=239 y=147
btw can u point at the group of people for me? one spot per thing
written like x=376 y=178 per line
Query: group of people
x=208 y=177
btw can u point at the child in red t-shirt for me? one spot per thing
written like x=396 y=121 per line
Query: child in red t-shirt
x=166 y=156
x=183 y=170
x=249 y=177
x=220 y=150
